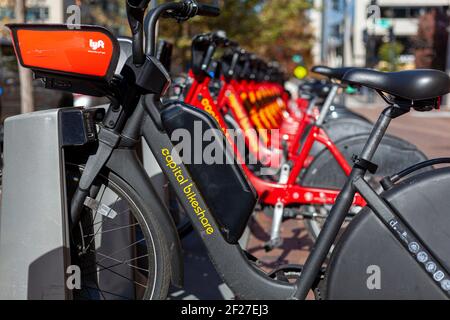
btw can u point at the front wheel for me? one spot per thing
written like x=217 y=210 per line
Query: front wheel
x=118 y=244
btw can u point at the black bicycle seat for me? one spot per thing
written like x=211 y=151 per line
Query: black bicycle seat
x=332 y=73
x=318 y=88
x=421 y=84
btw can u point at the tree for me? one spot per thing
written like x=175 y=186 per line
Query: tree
x=109 y=13
x=275 y=29
x=285 y=31
x=431 y=41
x=389 y=53
x=25 y=75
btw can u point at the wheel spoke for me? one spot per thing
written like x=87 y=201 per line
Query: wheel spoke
x=121 y=262
x=114 y=294
x=96 y=284
x=115 y=229
x=120 y=250
x=99 y=228
x=117 y=264
x=125 y=265
x=110 y=221
x=120 y=275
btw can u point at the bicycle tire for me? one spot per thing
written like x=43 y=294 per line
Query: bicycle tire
x=158 y=283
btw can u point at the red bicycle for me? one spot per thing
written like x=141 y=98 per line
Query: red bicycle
x=248 y=89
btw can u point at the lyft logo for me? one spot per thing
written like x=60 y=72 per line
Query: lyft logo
x=96 y=44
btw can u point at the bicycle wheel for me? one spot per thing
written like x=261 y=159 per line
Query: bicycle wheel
x=392 y=156
x=118 y=244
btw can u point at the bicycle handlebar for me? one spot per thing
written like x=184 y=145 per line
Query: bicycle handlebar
x=217 y=38
x=187 y=9
x=135 y=14
x=205 y=45
x=207 y=10
x=180 y=11
x=141 y=4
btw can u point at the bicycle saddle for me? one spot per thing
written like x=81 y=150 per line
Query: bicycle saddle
x=319 y=88
x=413 y=85
x=332 y=73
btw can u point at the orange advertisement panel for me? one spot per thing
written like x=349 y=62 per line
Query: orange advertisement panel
x=89 y=51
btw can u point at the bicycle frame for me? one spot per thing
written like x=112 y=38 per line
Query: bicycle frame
x=232 y=264
x=126 y=122
x=381 y=208
x=238 y=272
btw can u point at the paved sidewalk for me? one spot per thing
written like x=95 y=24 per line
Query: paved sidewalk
x=429 y=131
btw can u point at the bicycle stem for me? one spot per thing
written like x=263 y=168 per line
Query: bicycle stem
x=135 y=13
x=152 y=19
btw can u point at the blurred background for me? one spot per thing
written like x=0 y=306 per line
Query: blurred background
x=386 y=34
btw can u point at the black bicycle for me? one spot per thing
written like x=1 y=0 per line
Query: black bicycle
x=402 y=233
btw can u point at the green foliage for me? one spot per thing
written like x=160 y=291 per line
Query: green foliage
x=275 y=29
x=108 y=13
x=389 y=53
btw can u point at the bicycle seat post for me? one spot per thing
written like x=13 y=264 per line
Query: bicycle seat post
x=342 y=206
x=327 y=105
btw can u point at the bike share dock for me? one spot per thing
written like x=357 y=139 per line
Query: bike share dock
x=32 y=266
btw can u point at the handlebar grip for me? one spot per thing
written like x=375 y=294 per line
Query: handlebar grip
x=142 y=4
x=207 y=10
x=207 y=58
x=232 y=44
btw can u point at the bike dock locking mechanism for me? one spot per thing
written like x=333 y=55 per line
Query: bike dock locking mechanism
x=34 y=237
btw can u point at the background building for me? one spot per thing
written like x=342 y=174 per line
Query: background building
x=47 y=11
x=401 y=21
x=407 y=33
x=329 y=22
x=38 y=11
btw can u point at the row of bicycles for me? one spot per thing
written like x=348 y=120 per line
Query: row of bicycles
x=231 y=141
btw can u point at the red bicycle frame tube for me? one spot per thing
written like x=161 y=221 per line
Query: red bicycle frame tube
x=231 y=98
